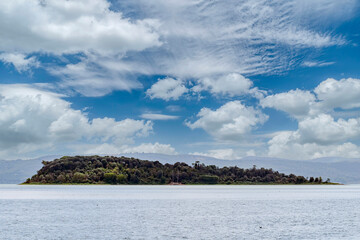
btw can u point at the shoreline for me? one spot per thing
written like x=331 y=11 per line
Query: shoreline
x=190 y=184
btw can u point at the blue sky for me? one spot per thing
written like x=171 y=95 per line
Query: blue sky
x=223 y=79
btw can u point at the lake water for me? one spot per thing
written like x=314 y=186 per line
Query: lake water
x=179 y=212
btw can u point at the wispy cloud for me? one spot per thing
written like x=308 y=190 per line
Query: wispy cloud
x=157 y=116
x=93 y=79
x=20 y=61
x=316 y=64
x=203 y=38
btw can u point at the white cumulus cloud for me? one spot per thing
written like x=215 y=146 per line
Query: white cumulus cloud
x=287 y=145
x=229 y=122
x=323 y=130
x=167 y=89
x=344 y=93
x=326 y=97
x=232 y=84
x=33 y=119
x=297 y=103
x=73 y=26
x=90 y=28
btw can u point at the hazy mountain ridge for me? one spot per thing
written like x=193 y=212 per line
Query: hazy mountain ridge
x=337 y=169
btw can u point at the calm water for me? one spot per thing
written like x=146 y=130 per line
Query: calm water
x=179 y=212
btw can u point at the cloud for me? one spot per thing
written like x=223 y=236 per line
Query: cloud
x=112 y=149
x=156 y=116
x=66 y=29
x=323 y=129
x=316 y=64
x=226 y=154
x=229 y=122
x=108 y=129
x=167 y=89
x=196 y=40
x=193 y=40
x=344 y=93
x=70 y=27
x=319 y=133
x=203 y=39
x=232 y=84
x=19 y=61
x=326 y=97
x=324 y=11
x=93 y=80
x=173 y=108
x=152 y=148
x=297 y=103
x=34 y=119
x=287 y=145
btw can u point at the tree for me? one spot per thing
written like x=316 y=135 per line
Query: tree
x=134 y=179
x=110 y=178
x=79 y=178
x=115 y=170
x=209 y=179
x=121 y=178
x=300 y=179
x=61 y=178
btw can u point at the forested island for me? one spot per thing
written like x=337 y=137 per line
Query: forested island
x=123 y=170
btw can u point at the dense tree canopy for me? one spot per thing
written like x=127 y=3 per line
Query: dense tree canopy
x=123 y=170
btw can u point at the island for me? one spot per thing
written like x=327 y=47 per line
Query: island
x=124 y=170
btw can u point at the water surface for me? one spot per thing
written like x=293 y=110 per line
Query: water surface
x=179 y=212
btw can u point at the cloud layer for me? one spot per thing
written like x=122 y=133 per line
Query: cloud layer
x=197 y=50
x=200 y=40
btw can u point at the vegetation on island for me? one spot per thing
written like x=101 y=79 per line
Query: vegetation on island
x=123 y=170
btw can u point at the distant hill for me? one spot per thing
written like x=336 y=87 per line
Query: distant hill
x=341 y=170
x=125 y=170
x=17 y=171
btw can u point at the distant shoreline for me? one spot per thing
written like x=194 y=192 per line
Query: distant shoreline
x=189 y=184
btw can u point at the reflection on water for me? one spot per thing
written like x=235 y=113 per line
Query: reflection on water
x=179 y=212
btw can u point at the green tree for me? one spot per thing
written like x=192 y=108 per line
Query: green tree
x=61 y=178
x=79 y=178
x=209 y=179
x=110 y=178
x=121 y=178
